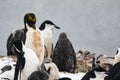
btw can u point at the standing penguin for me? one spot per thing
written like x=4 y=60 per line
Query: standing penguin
x=64 y=55
x=46 y=28
x=34 y=39
x=27 y=61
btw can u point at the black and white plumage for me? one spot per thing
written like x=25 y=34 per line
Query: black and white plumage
x=27 y=61
x=94 y=73
x=20 y=58
x=99 y=75
x=51 y=69
x=20 y=34
x=117 y=56
x=64 y=55
x=113 y=71
x=46 y=28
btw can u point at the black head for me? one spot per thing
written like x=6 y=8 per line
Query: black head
x=50 y=24
x=30 y=19
x=39 y=75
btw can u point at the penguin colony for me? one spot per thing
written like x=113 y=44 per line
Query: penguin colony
x=38 y=40
x=33 y=48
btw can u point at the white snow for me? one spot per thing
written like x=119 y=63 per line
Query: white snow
x=10 y=74
x=73 y=76
x=7 y=74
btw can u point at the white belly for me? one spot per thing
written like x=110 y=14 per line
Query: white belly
x=47 y=35
x=31 y=64
x=35 y=42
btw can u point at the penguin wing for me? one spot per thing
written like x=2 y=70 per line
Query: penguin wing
x=74 y=55
x=9 y=41
x=17 y=35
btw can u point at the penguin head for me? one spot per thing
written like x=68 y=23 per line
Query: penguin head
x=30 y=20
x=118 y=50
x=48 y=25
x=62 y=35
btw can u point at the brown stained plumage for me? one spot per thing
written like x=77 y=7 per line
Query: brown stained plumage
x=37 y=44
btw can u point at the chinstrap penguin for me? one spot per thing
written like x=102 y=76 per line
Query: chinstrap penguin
x=46 y=28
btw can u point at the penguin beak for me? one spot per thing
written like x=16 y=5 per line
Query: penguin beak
x=33 y=26
x=57 y=27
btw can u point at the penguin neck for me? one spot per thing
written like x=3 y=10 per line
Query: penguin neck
x=49 y=27
x=27 y=27
x=47 y=31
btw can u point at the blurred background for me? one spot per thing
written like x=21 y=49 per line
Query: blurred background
x=92 y=25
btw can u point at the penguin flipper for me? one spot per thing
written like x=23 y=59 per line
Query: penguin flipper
x=17 y=35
